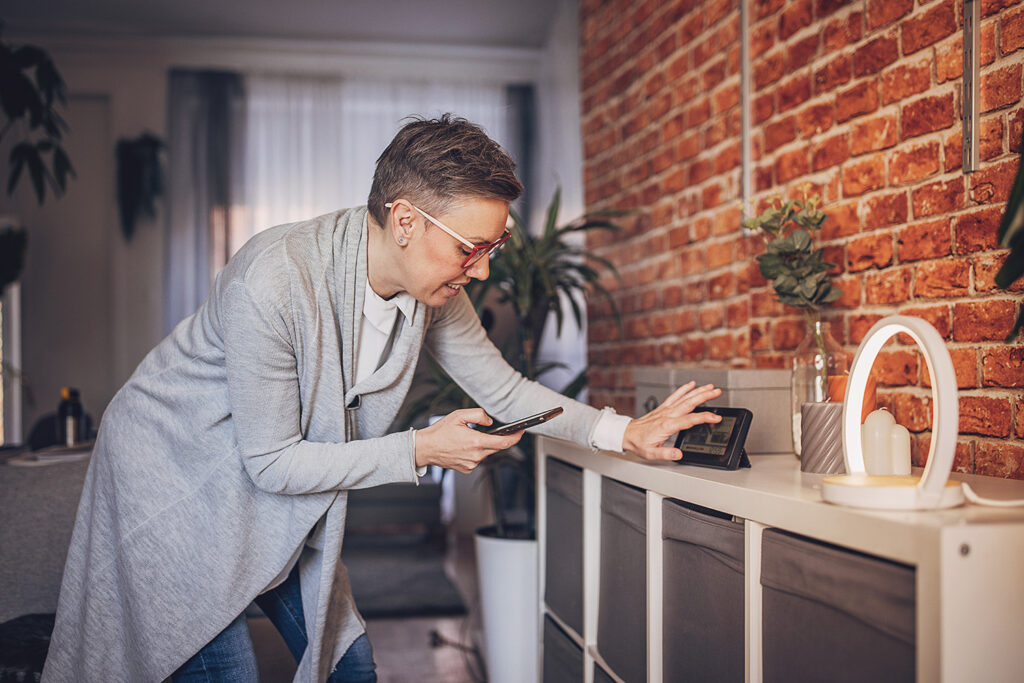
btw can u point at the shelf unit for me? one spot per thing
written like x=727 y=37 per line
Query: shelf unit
x=968 y=561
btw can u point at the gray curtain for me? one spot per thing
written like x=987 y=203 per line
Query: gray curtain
x=205 y=140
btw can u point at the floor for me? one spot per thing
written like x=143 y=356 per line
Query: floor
x=406 y=651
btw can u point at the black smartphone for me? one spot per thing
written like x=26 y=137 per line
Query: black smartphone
x=525 y=423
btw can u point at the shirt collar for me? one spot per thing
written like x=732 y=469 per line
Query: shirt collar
x=381 y=313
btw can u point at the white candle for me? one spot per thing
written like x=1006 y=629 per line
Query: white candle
x=899 y=450
x=876 y=441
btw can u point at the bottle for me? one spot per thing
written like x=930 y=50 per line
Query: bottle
x=69 y=417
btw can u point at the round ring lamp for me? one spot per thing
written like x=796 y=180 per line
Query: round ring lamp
x=933 y=489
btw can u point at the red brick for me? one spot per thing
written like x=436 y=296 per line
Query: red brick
x=1018 y=429
x=787 y=334
x=1012 y=31
x=992 y=183
x=988 y=43
x=1000 y=87
x=883 y=210
x=728 y=158
x=860 y=324
x=890 y=286
x=965 y=367
x=953 y=151
x=984 y=415
x=823 y=8
x=882 y=12
x=937 y=279
x=795 y=17
x=793 y=92
x=815 y=118
x=843 y=32
x=726 y=98
x=913 y=411
x=684 y=321
x=927 y=114
x=1016 y=125
x=875 y=55
x=857 y=100
x=938 y=316
x=835 y=73
x=904 y=80
x=830 y=152
x=924 y=240
x=764 y=303
x=990 y=139
x=870 y=135
x=711 y=317
x=949 y=61
x=999 y=459
x=914 y=163
x=719 y=254
x=792 y=164
x=850 y=288
x=762 y=39
x=769 y=69
x=985 y=269
x=800 y=53
x=778 y=133
x=976 y=231
x=841 y=221
x=990 y=7
x=1003 y=367
x=927 y=28
x=983 y=320
x=896 y=369
x=870 y=250
x=863 y=176
x=936 y=198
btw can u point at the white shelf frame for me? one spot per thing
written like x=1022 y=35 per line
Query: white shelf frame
x=969 y=560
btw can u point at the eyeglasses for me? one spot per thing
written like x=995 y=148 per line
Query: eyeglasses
x=478 y=251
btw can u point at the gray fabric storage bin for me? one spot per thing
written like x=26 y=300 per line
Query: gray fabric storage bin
x=563 y=658
x=563 y=568
x=831 y=614
x=704 y=595
x=622 y=607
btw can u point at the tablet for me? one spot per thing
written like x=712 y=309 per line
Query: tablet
x=524 y=423
x=720 y=444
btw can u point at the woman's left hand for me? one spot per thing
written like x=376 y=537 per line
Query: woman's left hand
x=646 y=435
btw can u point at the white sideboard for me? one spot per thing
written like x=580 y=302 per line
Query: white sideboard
x=968 y=561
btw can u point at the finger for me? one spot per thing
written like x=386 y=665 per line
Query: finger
x=679 y=393
x=472 y=415
x=662 y=453
x=699 y=417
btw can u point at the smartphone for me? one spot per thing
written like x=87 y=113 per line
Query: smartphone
x=525 y=423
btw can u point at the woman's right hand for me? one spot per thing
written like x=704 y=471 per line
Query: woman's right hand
x=451 y=443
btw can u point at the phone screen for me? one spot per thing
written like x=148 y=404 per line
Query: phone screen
x=525 y=423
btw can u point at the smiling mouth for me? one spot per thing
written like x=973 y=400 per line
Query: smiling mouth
x=453 y=288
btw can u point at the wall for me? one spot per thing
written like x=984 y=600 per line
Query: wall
x=860 y=100
x=92 y=303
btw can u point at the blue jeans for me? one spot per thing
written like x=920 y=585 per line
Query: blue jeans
x=230 y=657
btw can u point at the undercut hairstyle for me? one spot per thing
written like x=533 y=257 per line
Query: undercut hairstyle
x=435 y=163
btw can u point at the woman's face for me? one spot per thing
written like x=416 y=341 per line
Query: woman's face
x=433 y=258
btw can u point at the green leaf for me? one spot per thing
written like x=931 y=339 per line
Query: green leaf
x=801 y=239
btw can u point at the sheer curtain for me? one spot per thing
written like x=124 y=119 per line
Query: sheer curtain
x=312 y=143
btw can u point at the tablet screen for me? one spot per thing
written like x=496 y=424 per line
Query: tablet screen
x=710 y=439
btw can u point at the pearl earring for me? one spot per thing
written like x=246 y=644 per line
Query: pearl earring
x=401 y=240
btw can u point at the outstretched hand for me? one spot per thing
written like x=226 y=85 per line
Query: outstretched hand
x=451 y=443
x=646 y=435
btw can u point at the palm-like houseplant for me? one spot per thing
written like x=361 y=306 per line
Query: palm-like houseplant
x=536 y=278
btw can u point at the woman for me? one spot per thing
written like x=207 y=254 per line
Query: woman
x=221 y=468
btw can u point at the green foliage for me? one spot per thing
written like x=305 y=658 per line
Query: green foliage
x=798 y=272
x=31 y=89
x=1011 y=236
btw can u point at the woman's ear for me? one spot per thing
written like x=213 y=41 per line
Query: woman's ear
x=401 y=222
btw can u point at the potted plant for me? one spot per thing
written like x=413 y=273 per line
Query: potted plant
x=31 y=90
x=800 y=277
x=536 y=279
x=1011 y=235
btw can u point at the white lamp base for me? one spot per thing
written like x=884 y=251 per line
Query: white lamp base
x=887 y=493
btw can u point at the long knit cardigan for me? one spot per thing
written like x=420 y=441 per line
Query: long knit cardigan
x=231 y=448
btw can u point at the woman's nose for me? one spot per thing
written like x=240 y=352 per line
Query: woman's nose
x=481 y=269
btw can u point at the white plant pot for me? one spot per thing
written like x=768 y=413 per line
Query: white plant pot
x=507 y=574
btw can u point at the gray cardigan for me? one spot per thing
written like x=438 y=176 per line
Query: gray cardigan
x=231 y=448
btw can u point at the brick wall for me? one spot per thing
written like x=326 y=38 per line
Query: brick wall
x=861 y=100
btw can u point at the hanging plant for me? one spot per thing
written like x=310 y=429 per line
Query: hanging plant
x=139 y=179
x=1011 y=236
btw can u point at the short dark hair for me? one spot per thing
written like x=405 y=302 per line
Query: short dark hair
x=436 y=162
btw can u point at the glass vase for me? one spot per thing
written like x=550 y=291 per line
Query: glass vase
x=819 y=364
